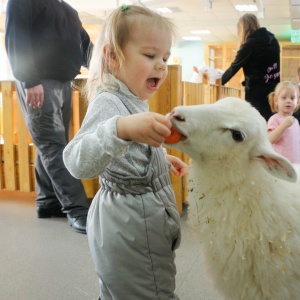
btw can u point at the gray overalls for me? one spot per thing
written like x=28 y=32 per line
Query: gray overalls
x=133 y=229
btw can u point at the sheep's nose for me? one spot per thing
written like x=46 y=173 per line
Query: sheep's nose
x=175 y=115
x=170 y=115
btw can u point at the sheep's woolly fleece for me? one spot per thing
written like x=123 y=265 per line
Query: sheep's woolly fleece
x=244 y=201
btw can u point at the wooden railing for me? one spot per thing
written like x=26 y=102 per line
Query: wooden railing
x=17 y=153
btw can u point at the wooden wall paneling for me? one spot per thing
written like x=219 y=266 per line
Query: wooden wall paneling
x=215 y=91
x=83 y=104
x=289 y=61
x=163 y=101
x=1 y=166
x=15 y=137
x=193 y=93
x=23 y=150
x=32 y=159
x=207 y=93
x=231 y=92
x=91 y=186
x=75 y=116
x=79 y=106
x=8 y=135
x=220 y=56
x=160 y=102
x=1 y=144
x=176 y=88
x=1 y=116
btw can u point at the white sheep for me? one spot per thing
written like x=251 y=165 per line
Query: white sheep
x=244 y=200
x=197 y=75
x=213 y=74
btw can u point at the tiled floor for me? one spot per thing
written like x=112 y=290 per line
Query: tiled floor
x=43 y=259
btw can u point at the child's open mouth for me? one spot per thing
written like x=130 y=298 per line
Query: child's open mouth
x=152 y=82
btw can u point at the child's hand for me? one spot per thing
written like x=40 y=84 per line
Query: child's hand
x=178 y=167
x=150 y=128
x=288 y=121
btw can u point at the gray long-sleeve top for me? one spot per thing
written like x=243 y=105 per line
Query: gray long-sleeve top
x=96 y=145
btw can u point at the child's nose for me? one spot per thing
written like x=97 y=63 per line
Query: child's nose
x=161 y=66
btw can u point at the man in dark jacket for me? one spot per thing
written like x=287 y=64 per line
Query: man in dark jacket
x=259 y=56
x=46 y=46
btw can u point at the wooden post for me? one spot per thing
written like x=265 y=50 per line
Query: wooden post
x=163 y=101
x=1 y=144
x=177 y=100
x=8 y=135
x=23 y=149
x=218 y=94
x=75 y=121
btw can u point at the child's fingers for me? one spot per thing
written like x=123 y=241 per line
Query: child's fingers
x=150 y=128
x=174 y=171
x=162 y=129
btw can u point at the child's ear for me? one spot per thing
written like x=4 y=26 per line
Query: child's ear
x=110 y=58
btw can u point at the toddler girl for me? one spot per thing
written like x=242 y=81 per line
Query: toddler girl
x=283 y=128
x=133 y=224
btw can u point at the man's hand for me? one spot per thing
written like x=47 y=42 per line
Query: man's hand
x=35 y=96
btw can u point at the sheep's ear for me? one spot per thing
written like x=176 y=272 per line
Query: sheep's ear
x=278 y=166
x=195 y=69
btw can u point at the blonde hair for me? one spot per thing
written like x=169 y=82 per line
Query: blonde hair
x=279 y=87
x=114 y=34
x=245 y=26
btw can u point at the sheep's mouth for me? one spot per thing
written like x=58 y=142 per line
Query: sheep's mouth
x=183 y=135
x=176 y=119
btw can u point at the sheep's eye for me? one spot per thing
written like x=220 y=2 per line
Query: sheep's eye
x=237 y=135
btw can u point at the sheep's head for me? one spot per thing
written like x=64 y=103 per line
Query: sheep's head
x=229 y=133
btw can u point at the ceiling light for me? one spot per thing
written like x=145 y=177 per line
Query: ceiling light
x=246 y=8
x=164 y=10
x=191 y=38
x=204 y=31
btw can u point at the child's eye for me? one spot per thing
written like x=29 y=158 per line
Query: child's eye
x=149 y=56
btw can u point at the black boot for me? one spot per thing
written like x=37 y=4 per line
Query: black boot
x=48 y=212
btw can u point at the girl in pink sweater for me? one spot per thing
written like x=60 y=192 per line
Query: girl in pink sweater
x=283 y=128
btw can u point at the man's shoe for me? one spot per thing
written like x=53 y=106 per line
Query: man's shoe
x=78 y=223
x=48 y=212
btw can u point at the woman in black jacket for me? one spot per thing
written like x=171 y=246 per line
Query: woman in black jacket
x=259 y=56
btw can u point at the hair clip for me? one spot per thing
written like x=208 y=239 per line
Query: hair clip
x=124 y=7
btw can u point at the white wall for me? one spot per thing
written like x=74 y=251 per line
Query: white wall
x=190 y=54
